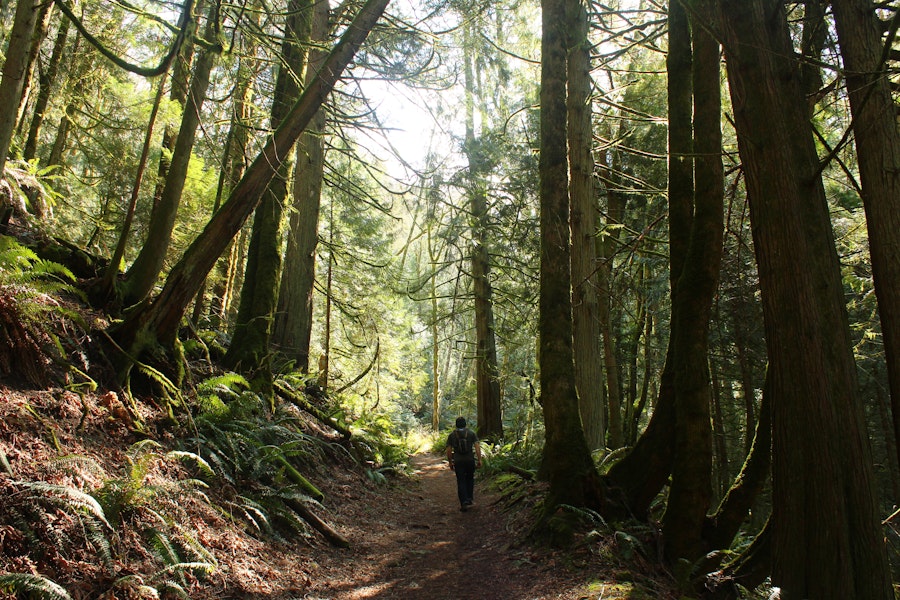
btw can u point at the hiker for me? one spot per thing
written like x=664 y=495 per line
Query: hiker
x=464 y=456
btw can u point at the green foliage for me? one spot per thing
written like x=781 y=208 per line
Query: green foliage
x=375 y=435
x=67 y=498
x=32 y=186
x=239 y=442
x=125 y=495
x=498 y=458
x=30 y=312
x=33 y=586
x=35 y=514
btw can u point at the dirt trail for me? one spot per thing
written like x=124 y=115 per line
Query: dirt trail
x=420 y=546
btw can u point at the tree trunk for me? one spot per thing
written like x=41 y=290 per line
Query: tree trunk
x=259 y=296
x=489 y=417
x=143 y=273
x=878 y=153
x=292 y=331
x=690 y=494
x=585 y=215
x=567 y=460
x=721 y=527
x=826 y=534
x=639 y=476
x=181 y=81
x=158 y=320
x=15 y=72
x=45 y=12
x=45 y=85
x=234 y=162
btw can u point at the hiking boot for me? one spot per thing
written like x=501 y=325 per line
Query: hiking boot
x=464 y=507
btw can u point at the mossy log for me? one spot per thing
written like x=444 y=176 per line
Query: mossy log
x=300 y=401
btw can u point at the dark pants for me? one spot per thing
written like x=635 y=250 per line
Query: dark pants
x=465 y=481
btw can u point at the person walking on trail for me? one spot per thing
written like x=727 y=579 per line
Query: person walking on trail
x=464 y=456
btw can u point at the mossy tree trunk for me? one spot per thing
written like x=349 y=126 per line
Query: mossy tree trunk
x=142 y=276
x=249 y=350
x=15 y=71
x=567 y=463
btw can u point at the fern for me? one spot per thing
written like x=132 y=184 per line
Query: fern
x=202 y=568
x=193 y=458
x=173 y=590
x=163 y=548
x=68 y=498
x=33 y=586
x=29 y=312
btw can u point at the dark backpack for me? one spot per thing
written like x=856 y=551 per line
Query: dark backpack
x=463 y=443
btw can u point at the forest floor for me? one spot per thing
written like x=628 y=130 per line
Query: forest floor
x=407 y=537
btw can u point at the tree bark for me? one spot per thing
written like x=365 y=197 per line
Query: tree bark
x=690 y=494
x=878 y=154
x=45 y=85
x=249 y=349
x=640 y=475
x=585 y=216
x=15 y=72
x=156 y=322
x=826 y=534
x=146 y=268
x=292 y=330
x=566 y=463
x=487 y=383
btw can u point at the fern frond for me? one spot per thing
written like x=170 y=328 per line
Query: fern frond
x=68 y=498
x=163 y=548
x=192 y=546
x=33 y=586
x=228 y=384
x=76 y=464
x=256 y=516
x=172 y=589
x=196 y=568
x=194 y=458
x=99 y=540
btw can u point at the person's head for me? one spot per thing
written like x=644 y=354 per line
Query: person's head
x=460 y=422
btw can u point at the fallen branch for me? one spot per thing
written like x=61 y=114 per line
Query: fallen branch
x=335 y=538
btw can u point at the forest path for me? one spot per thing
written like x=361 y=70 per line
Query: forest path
x=418 y=545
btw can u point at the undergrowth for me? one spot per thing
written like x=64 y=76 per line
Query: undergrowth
x=31 y=316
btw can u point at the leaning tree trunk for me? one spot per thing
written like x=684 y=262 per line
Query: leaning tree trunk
x=157 y=321
x=826 y=533
x=143 y=273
